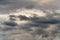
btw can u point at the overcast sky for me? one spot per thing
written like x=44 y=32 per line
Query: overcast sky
x=33 y=17
x=7 y=5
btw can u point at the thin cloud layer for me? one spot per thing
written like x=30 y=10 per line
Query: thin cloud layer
x=7 y=6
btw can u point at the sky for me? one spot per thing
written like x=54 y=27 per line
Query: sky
x=29 y=19
x=9 y=5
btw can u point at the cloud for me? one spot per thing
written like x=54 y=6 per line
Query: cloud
x=7 y=6
x=10 y=23
x=41 y=20
x=36 y=23
x=23 y=17
x=45 y=2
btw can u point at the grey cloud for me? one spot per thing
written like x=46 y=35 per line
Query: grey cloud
x=41 y=20
x=35 y=25
x=12 y=17
x=21 y=17
x=10 y=23
x=7 y=5
x=11 y=5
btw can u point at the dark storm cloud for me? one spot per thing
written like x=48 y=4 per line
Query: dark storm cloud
x=41 y=20
x=35 y=25
x=10 y=23
x=21 y=17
